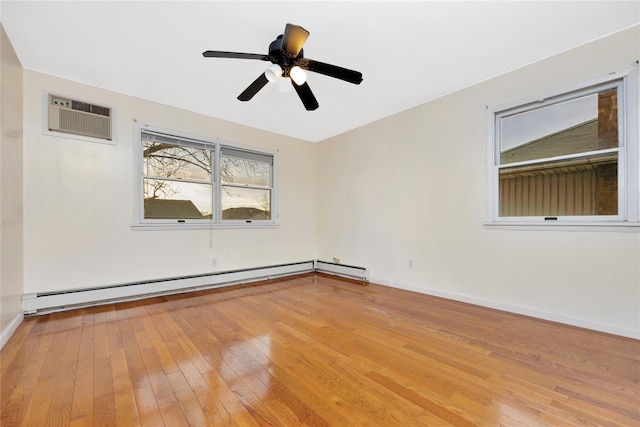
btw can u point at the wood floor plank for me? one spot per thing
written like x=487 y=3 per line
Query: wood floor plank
x=62 y=402
x=147 y=407
x=104 y=404
x=82 y=402
x=37 y=412
x=19 y=386
x=23 y=342
x=126 y=410
x=313 y=350
x=187 y=400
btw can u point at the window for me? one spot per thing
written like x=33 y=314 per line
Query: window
x=246 y=185
x=190 y=181
x=568 y=158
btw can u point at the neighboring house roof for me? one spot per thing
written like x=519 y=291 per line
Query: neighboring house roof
x=245 y=213
x=581 y=138
x=172 y=209
x=185 y=209
x=577 y=139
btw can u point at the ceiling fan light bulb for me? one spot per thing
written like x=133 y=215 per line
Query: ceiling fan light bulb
x=273 y=72
x=298 y=75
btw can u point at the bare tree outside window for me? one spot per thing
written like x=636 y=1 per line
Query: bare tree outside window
x=163 y=160
x=179 y=180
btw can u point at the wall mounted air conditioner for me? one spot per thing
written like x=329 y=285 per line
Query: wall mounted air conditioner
x=75 y=117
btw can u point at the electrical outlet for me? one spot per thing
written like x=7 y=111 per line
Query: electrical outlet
x=214 y=262
x=410 y=263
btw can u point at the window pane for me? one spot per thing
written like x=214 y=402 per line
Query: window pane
x=172 y=161
x=165 y=199
x=244 y=171
x=587 y=123
x=245 y=203
x=574 y=187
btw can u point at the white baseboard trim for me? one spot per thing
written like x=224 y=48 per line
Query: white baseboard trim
x=538 y=314
x=11 y=328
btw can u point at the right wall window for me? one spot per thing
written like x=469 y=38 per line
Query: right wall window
x=569 y=157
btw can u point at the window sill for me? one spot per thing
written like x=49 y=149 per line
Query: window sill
x=622 y=226
x=194 y=226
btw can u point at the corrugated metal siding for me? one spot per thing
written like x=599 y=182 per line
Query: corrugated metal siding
x=558 y=194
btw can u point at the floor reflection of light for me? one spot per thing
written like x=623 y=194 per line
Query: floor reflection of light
x=242 y=369
x=511 y=414
x=244 y=366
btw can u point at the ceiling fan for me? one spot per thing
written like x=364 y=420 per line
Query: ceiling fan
x=287 y=58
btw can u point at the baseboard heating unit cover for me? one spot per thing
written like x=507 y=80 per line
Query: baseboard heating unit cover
x=47 y=302
x=350 y=271
x=61 y=300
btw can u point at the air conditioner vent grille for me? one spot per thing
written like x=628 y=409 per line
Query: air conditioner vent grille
x=79 y=118
x=80 y=123
x=90 y=108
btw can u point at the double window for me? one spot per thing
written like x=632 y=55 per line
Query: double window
x=570 y=157
x=186 y=180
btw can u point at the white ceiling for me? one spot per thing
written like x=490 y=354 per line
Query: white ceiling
x=408 y=52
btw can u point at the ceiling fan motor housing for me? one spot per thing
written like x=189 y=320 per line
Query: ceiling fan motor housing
x=279 y=56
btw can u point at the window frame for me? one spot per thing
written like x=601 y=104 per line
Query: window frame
x=271 y=188
x=627 y=150
x=215 y=146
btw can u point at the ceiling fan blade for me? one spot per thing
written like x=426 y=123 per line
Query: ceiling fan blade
x=237 y=55
x=294 y=38
x=306 y=96
x=253 y=88
x=350 y=76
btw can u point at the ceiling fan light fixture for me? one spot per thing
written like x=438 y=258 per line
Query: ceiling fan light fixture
x=298 y=75
x=273 y=72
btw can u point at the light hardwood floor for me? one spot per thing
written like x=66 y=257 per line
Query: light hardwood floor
x=313 y=350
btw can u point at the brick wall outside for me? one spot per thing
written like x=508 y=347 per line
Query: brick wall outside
x=607 y=174
x=607 y=189
x=608 y=119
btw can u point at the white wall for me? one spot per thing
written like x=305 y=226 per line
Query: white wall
x=79 y=196
x=413 y=187
x=11 y=279
x=409 y=187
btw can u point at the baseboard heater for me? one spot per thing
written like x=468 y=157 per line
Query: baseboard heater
x=48 y=302
x=349 y=271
